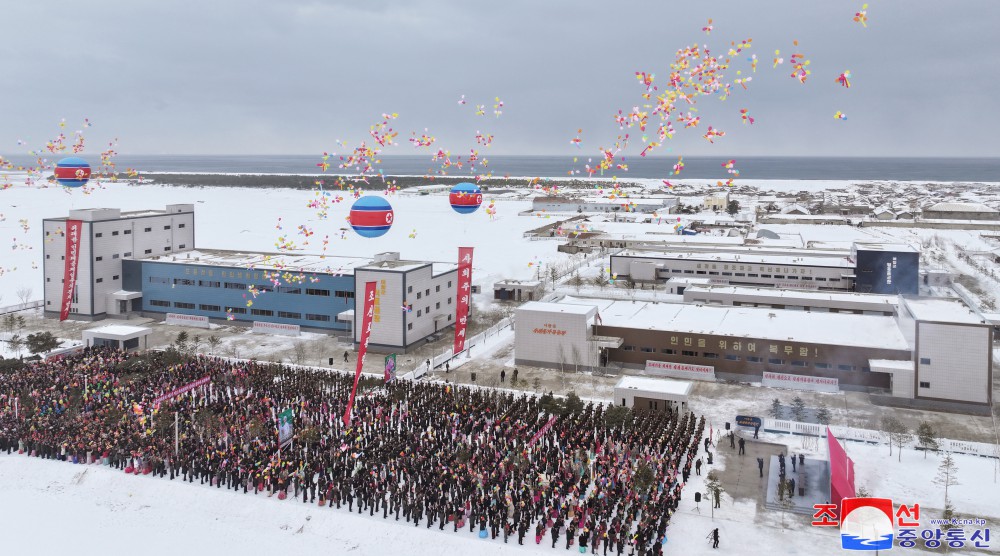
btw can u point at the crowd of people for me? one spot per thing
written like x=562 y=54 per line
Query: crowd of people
x=602 y=478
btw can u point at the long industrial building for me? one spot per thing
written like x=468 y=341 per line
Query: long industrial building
x=932 y=351
x=868 y=267
x=145 y=263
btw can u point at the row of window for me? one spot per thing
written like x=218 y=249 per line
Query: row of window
x=241 y=286
x=752 y=358
x=238 y=310
x=409 y=325
x=750 y=275
x=427 y=291
x=129 y=232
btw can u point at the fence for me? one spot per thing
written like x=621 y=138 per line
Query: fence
x=21 y=307
x=875 y=437
x=470 y=343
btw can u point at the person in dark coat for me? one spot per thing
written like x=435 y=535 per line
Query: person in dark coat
x=793 y=462
x=732 y=439
x=756 y=431
x=743 y=450
x=697 y=467
x=760 y=466
x=503 y=375
x=715 y=537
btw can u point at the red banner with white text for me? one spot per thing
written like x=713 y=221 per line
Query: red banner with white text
x=462 y=297
x=73 y=228
x=366 y=332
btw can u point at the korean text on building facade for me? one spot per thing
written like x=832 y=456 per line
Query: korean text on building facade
x=366 y=332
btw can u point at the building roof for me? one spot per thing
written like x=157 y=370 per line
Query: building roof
x=941 y=309
x=660 y=385
x=891 y=364
x=891 y=301
x=960 y=207
x=581 y=308
x=841 y=329
x=118 y=331
x=879 y=246
x=291 y=262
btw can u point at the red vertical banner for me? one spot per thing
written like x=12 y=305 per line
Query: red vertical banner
x=462 y=297
x=73 y=228
x=366 y=332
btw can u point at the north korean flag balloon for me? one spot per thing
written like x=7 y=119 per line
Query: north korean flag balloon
x=72 y=172
x=465 y=198
x=371 y=216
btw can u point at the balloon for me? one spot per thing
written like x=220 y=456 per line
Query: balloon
x=371 y=216
x=72 y=172
x=465 y=198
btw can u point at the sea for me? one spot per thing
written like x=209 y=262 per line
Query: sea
x=696 y=167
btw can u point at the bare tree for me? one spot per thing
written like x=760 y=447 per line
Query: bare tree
x=213 y=343
x=947 y=475
x=299 y=350
x=24 y=294
x=896 y=433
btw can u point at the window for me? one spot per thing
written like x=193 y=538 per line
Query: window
x=437 y=288
x=214 y=308
x=821 y=279
x=167 y=248
x=749 y=275
x=292 y=289
x=727 y=273
x=167 y=227
x=925 y=360
x=709 y=355
x=647 y=350
x=287 y=315
x=449 y=318
x=181 y=246
x=48 y=280
x=419 y=312
x=158 y=280
x=866 y=369
x=323 y=318
x=449 y=301
x=233 y=286
x=114 y=233
x=313 y=291
x=209 y=284
x=427 y=309
x=409 y=326
x=116 y=276
x=237 y=310
x=158 y=303
x=147 y=229
x=128 y=232
x=148 y=251
x=793 y=277
x=846 y=367
x=418 y=295
x=181 y=225
x=775 y=361
x=99 y=259
x=822 y=365
x=183 y=282
x=628 y=348
x=265 y=289
x=713 y=273
x=427 y=291
x=98 y=234
x=668 y=351
x=700 y=272
x=127 y=254
x=731 y=357
x=99 y=280
x=675 y=271
x=925 y=384
x=115 y=256
x=778 y=277
x=410 y=289
x=765 y=275
x=805 y=278
x=437 y=305
x=753 y=359
x=449 y=283
x=183 y=305
x=687 y=353
x=262 y=312
x=688 y=272
x=800 y=363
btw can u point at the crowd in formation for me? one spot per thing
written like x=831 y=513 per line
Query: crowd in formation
x=433 y=454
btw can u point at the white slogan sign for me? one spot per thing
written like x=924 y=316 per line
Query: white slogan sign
x=187 y=320
x=260 y=327
x=801 y=382
x=680 y=370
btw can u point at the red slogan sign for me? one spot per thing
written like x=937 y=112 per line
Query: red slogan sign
x=73 y=228
x=366 y=332
x=186 y=388
x=464 y=290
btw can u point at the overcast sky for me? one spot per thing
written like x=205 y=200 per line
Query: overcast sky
x=293 y=76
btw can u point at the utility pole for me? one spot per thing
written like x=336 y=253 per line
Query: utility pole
x=176 y=435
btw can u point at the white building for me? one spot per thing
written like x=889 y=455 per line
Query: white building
x=952 y=352
x=554 y=334
x=796 y=300
x=427 y=290
x=108 y=236
x=655 y=394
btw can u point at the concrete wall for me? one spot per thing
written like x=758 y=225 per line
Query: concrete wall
x=533 y=343
x=960 y=362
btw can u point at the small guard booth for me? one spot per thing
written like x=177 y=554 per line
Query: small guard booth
x=657 y=394
x=117 y=335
